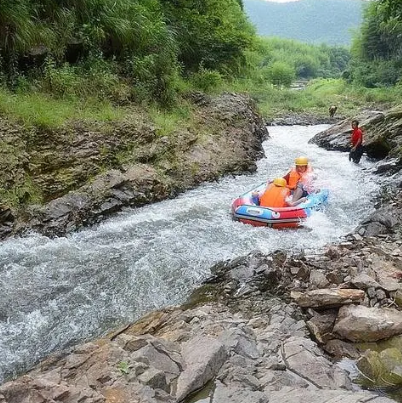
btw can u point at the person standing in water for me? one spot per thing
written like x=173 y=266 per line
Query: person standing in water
x=356 y=140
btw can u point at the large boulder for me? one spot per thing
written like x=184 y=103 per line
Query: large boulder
x=359 y=323
x=382 y=134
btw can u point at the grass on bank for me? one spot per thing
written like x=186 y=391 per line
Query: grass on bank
x=43 y=111
x=36 y=109
x=317 y=96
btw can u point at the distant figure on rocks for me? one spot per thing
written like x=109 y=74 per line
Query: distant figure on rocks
x=332 y=109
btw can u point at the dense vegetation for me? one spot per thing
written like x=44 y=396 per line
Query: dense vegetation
x=96 y=56
x=145 y=50
x=311 y=21
x=377 y=49
x=76 y=47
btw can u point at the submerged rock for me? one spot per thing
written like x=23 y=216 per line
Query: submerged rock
x=382 y=368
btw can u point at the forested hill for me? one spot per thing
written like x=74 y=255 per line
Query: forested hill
x=311 y=21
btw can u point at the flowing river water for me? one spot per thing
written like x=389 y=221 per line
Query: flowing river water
x=58 y=292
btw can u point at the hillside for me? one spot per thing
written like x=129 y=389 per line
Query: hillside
x=311 y=21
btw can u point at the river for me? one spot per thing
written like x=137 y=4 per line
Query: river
x=59 y=292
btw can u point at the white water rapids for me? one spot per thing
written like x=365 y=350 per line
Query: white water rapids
x=58 y=292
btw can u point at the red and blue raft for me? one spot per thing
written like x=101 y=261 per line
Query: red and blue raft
x=245 y=210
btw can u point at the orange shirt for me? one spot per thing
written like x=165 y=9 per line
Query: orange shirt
x=293 y=177
x=274 y=196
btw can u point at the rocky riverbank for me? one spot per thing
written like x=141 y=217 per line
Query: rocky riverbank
x=84 y=172
x=263 y=328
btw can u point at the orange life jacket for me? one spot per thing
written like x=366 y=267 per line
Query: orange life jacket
x=274 y=196
x=295 y=177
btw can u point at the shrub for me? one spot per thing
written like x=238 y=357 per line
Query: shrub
x=282 y=74
x=206 y=79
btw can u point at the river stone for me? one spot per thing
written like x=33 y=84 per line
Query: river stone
x=303 y=357
x=224 y=394
x=327 y=298
x=203 y=357
x=328 y=396
x=359 y=323
x=364 y=281
x=384 y=368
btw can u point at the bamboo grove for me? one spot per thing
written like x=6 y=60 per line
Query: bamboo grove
x=149 y=50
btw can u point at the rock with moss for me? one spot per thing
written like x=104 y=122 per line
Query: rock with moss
x=58 y=180
x=381 y=368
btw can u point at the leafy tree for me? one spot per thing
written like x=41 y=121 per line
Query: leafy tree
x=391 y=9
x=377 y=50
x=210 y=33
x=308 y=61
x=339 y=58
x=306 y=66
x=282 y=74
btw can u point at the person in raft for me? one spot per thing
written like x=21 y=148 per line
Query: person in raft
x=277 y=194
x=299 y=181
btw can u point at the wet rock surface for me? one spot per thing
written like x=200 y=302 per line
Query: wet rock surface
x=303 y=119
x=382 y=135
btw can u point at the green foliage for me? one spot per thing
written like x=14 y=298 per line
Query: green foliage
x=94 y=79
x=23 y=192
x=206 y=80
x=378 y=73
x=377 y=49
x=149 y=51
x=139 y=50
x=167 y=122
x=210 y=33
x=40 y=110
x=316 y=97
x=117 y=30
x=123 y=367
x=155 y=75
x=17 y=28
x=305 y=61
x=147 y=45
x=307 y=66
x=281 y=74
x=339 y=58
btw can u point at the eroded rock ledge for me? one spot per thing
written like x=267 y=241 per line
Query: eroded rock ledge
x=382 y=135
x=86 y=172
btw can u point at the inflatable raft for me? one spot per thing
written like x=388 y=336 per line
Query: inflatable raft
x=245 y=210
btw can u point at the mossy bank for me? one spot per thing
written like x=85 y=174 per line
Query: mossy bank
x=58 y=180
